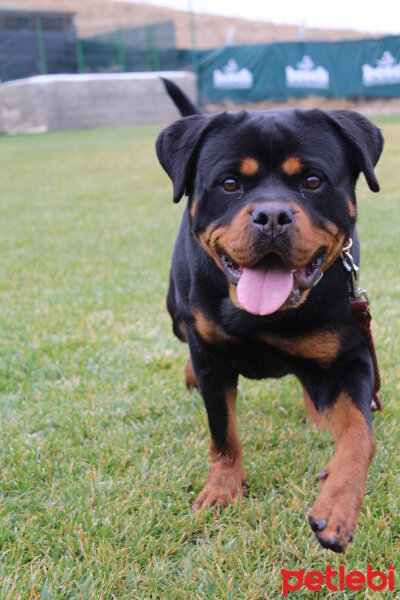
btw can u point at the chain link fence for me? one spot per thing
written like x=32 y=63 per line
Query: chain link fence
x=37 y=51
x=367 y=68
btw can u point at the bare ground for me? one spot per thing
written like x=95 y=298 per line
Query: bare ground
x=389 y=106
x=101 y=16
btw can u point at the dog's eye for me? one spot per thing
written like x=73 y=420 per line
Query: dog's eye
x=312 y=182
x=230 y=185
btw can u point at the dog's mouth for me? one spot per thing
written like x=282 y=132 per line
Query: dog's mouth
x=269 y=285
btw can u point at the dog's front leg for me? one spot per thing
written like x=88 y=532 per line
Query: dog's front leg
x=334 y=515
x=218 y=387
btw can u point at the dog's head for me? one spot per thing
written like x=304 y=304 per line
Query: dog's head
x=271 y=194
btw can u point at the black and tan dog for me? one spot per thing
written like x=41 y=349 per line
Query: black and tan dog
x=271 y=204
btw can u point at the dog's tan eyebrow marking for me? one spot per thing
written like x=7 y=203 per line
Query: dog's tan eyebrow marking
x=249 y=166
x=292 y=165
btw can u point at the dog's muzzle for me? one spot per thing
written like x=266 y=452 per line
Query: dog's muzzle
x=270 y=283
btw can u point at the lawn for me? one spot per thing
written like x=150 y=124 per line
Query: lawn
x=103 y=450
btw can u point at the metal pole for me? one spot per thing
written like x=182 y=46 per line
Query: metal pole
x=121 y=51
x=80 y=58
x=41 y=47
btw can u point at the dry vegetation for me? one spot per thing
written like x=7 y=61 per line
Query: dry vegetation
x=100 y=16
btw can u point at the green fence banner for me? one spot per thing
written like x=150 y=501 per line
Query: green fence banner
x=351 y=69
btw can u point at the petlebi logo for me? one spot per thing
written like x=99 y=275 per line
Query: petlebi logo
x=307 y=75
x=232 y=77
x=338 y=580
x=386 y=72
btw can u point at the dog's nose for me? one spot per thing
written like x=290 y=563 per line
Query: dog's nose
x=273 y=218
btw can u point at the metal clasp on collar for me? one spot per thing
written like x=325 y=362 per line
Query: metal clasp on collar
x=354 y=272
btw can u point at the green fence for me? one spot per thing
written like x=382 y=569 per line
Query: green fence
x=356 y=69
x=241 y=74
x=37 y=51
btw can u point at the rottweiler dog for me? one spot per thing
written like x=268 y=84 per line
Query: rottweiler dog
x=257 y=284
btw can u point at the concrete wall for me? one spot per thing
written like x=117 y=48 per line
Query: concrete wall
x=56 y=102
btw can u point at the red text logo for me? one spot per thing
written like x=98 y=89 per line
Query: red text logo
x=338 y=581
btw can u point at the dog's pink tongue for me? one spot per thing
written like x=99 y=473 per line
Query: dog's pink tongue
x=262 y=290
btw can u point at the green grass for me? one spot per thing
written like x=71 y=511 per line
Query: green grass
x=102 y=448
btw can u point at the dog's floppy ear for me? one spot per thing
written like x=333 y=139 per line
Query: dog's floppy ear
x=177 y=147
x=365 y=140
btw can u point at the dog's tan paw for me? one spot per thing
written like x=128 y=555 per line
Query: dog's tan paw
x=223 y=485
x=334 y=515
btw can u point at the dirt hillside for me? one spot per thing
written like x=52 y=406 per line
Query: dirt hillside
x=100 y=16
